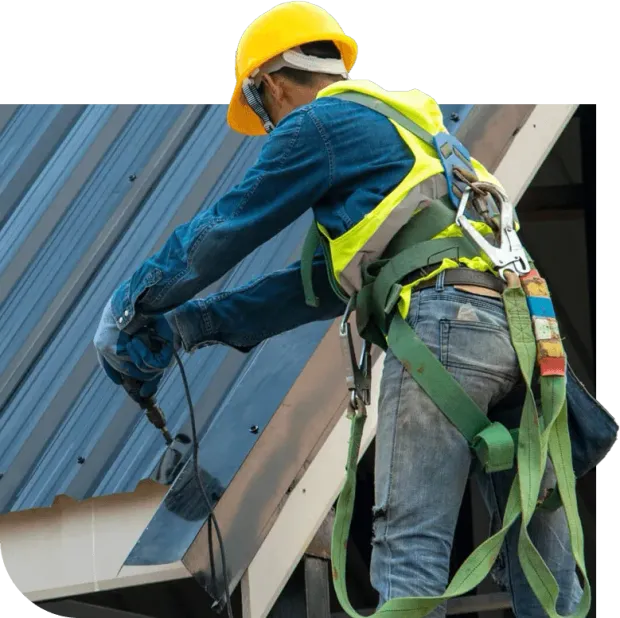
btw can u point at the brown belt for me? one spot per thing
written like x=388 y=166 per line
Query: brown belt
x=463 y=276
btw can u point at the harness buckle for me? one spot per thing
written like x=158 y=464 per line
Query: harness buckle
x=510 y=255
x=358 y=374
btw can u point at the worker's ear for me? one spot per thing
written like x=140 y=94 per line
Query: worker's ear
x=273 y=88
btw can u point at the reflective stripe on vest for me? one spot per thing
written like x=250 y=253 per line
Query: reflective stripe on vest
x=366 y=241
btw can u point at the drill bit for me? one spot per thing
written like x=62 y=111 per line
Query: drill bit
x=156 y=416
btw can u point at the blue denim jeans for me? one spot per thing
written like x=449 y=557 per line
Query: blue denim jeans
x=423 y=463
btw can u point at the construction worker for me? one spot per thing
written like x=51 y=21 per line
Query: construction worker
x=366 y=176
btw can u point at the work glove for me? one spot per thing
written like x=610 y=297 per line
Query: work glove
x=140 y=392
x=152 y=348
x=137 y=361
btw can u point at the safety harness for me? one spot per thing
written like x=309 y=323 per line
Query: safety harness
x=534 y=333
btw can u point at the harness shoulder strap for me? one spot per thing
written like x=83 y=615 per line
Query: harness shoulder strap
x=314 y=239
x=389 y=112
x=449 y=149
x=311 y=244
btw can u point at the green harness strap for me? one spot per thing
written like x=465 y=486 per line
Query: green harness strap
x=493 y=444
x=382 y=288
x=313 y=240
x=536 y=440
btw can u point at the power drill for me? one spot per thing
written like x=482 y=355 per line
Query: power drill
x=153 y=412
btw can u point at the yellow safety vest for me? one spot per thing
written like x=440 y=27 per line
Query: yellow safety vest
x=366 y=241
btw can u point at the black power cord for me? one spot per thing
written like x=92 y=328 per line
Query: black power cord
x=212 y=520
x=156 y=417
x=158 y=420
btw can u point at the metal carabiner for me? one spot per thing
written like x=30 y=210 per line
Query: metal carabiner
x=347 y=347
x=358 y=375
x=365 y=371
x=510 y=255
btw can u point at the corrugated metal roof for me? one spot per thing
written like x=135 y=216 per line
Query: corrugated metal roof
x=86 y=194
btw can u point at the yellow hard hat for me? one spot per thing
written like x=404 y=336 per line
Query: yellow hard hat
x=278 y=30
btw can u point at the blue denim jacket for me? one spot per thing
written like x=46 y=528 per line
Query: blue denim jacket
x=333 y=156
x=339 y=159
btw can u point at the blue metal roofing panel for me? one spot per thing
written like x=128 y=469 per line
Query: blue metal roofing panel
x=63 y=246
x=61 y=408
x=21 y=134
x=100 y=188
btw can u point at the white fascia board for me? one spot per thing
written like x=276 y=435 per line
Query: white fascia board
x=75 y=548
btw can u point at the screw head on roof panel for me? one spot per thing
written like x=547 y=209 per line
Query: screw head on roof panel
x=254 y=429
x=132 y=177
x=81 y=460
x=454 y=117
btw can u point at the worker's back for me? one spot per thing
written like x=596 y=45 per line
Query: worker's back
x=365 y=158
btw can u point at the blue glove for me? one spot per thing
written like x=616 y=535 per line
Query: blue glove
x=137 y=360
x=140 y=392
x=152 y=348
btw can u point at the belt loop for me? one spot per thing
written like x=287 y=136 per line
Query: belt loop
x=439 y=287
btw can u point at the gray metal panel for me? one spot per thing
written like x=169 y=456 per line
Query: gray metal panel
x=78 y=609
x=114 y=186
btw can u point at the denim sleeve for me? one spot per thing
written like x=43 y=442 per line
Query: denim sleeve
x=293 y=172
x=244 y=317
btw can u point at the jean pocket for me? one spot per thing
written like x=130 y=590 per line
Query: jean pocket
x=478 y=346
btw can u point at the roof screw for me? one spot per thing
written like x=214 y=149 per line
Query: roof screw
x=254 y=429
x=81 y=460
x=132 y=177
x=454 y=117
